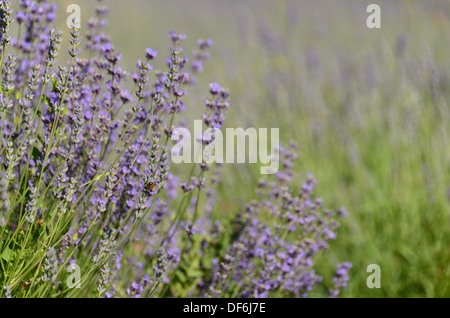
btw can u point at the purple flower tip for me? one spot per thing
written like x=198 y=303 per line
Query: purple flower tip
x=215 y=88
x=150 y=53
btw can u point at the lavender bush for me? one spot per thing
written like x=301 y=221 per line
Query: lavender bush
x=86 y=182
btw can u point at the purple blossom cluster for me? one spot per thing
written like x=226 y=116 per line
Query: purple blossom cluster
x=277 y=237
x=341 y=278
x=86 y=144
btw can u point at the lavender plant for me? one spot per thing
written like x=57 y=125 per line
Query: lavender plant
x=85 y=179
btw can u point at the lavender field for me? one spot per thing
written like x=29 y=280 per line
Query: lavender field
x=93 y=202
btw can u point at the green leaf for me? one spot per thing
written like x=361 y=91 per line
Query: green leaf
x=8 y=254
x=18 y=119
x=39 y=137
x=99 y=177
x=54 y=83
x=181 y=276
x=47 y=99
x=35 y=154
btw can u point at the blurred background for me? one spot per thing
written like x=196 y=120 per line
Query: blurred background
x=368 y=108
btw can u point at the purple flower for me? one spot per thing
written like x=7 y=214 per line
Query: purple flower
x=150 y=54
x=214 y=88
x=177 y=37
x=204 y=44
x=341 y=278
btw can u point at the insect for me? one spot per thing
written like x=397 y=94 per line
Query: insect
x=25 y=284
x=149 y=187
